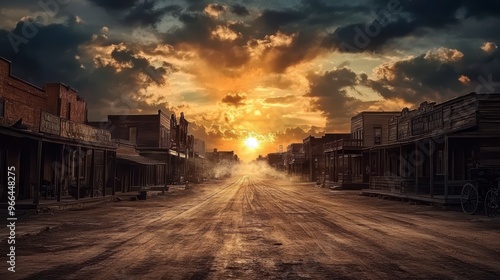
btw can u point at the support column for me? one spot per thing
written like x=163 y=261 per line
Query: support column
x=61 y=173
x=165 y=175
x=446 y=148
x=401 y=158
x=79 y=162
x=417 y=159
x=343 y=166
x=105 y=179
x=92 y=173
x=431 y=167
x=113 y=187
x=36 y=195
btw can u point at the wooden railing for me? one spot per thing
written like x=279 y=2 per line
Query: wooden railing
x=341 y=143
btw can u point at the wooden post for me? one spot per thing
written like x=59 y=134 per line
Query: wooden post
x=78 y=158
x=92 y=173
x=417 y=158
x=61 y=173
x=431 y=167
x=105 y=179
x=36 y=195
x=113 y=186
x=446 y=148
x=343 y=166
x=165 y=175
x=453 y=158
x=401 y=168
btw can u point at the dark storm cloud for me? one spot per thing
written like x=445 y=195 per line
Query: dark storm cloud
x=115 y=4
x=197 y=31
x=146 y=14
x=234 y=99
x=44 y=53
x=217 y=7
x=50 y=55
x=330 y=96
x=239 y=10
x=427 y=78
x=395 y=19
x=274 y=19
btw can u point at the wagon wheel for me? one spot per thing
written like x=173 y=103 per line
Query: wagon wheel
x=491 y=203
x=469 y=199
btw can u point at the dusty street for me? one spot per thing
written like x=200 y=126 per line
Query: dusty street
x=248 y=228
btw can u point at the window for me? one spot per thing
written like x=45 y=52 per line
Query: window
x=132 y=134
x=68 y=112
x=2 y=108
x=377 y=135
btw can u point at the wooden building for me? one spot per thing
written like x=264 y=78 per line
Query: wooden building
x=314 y=155
x=347 y=157
x=156 y=136
x=221 y=163
x=43 y=135
x=135 y=172
x=295 y=160
x=431 y=150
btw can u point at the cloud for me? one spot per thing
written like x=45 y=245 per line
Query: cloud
x=329 y=93
x=115 y=4
x=281 y=99
x=225 y=33
x=147 y=14
x=239 y=10
x=437 y=75
x=215 y=10
x=464 y=79
x=234 y=99
x=444 y=55
x=489 y=47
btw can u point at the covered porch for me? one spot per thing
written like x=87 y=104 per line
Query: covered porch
x=345 y=164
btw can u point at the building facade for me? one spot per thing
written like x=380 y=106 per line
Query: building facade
x=434 y=150
x=314 y=155
x=347 y=158
x=45 y=139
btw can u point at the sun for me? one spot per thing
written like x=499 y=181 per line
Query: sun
x=252 y=143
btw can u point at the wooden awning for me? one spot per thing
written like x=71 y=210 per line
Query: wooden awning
x=137 y=159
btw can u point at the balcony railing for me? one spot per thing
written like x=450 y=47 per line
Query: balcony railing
x=342 y=144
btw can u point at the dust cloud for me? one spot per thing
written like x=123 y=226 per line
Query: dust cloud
x=255 y=169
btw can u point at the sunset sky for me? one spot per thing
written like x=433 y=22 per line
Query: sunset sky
x=273 y=70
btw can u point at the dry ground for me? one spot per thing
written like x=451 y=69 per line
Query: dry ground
x=249 y=228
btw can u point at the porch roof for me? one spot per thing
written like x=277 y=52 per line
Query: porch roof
x=138 y=159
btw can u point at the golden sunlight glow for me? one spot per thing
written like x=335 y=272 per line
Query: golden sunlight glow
x=252 y=143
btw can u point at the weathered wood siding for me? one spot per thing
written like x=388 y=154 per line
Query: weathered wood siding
x=454 y=115
x=489 y=112
x=459 y=113
x=148 y=128
x=388 y=183
x=373 y=120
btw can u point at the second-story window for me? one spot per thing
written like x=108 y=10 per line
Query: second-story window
x=68 y=111
x=2 y=108
x=132 y=134
x=377 y=135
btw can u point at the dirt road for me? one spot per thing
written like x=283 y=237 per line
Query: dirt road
x=248 y=228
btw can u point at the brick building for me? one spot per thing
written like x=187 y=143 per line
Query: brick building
x=43 y=135
x=156 y=136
